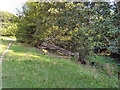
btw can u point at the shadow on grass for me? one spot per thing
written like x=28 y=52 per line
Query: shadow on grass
x=24 y=68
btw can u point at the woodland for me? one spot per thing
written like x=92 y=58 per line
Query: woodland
x=80 y=30
x=85 y=27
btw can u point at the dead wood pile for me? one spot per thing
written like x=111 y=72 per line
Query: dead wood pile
x=49 y=46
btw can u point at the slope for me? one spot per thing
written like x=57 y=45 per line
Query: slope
x=29 y=68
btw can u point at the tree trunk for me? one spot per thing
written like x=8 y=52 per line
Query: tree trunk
x=49 y=46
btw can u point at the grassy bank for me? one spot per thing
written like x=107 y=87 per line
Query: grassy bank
x=27 y=67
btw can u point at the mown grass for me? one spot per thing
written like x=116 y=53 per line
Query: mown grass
x=28 y=68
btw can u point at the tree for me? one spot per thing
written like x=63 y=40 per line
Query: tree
x=77 y=27
x=8 y=28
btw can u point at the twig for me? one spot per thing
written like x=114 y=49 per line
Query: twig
x=107 y=40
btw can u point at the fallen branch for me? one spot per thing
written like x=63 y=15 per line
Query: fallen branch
x=110 y=42
x=107 y=39
x=49 y=46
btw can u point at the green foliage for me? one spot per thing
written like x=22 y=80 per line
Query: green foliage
x=104 y=64
x=6 y=16
x=77 y=27
x=8 y=28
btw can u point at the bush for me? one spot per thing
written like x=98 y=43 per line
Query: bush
x=104 y=64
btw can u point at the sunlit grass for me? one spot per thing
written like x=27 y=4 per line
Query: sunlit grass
x=28 y=68
x=2 y=48
x=23 y=54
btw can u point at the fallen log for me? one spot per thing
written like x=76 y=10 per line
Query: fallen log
x=49 y=46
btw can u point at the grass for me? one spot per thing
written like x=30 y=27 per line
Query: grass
x=29 y=68
x=105 y=65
